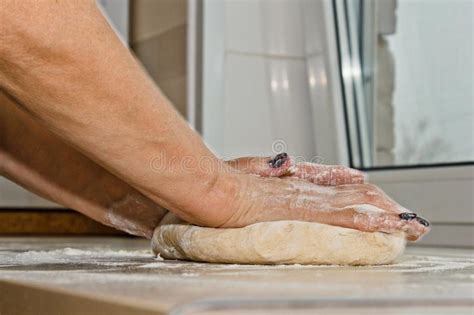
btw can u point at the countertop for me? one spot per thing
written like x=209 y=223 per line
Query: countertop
x=121 y=276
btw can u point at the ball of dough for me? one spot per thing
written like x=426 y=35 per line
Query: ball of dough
x=277 y=242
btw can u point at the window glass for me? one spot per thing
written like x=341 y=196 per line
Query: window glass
x=407 y=68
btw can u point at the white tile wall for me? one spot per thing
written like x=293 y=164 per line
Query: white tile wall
x=213 y=74
x=266 y=99
x=247 y=128
x=290 y=105
x=267 y=95
x=312 y=26
x=319 y=98
x=243 y=26
x=271 y=27
x=282 y=27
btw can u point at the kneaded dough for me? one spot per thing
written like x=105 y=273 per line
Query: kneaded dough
x=278 y=242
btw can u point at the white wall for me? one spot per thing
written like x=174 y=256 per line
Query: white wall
x=264 y=76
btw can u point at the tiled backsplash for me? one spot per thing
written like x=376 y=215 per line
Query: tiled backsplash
x=264 y=74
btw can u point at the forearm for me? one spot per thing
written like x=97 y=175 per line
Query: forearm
x=39 y=161
x=65 y=66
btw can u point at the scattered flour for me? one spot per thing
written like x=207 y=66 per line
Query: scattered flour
x=71 y=255
x=365 y=208
x=413 y=263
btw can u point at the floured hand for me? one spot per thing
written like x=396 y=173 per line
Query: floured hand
x=341 y=197
x=283 y=165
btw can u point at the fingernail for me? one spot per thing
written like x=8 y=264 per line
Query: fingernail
x=407 y=215
x=423 y=221
x=278 y=160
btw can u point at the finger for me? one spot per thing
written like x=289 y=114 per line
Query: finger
x=349 y=206
x=328 y=175
x=384 y=222
x=409 y=223
x=373 y=201
x=423 y=221
x=367 y=194
x=276 y=166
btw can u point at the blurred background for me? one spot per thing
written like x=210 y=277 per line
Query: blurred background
x=384 y=86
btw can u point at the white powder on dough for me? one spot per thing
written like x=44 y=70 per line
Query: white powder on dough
x=293 y=169
x=366 y=209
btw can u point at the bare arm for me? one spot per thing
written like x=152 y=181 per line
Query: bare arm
x=36 y=159
x=63 y=64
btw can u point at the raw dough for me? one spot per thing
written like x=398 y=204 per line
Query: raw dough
x=278 y=242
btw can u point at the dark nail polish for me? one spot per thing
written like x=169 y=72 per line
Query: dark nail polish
x=423 y=221
x=278 y=160
x=407 y=216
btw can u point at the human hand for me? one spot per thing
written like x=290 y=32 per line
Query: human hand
x=344 y=201
x=282 y=165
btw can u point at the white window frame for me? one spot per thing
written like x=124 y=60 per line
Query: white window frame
x=442 y=194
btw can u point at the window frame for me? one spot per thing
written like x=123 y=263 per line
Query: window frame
x=432 y=189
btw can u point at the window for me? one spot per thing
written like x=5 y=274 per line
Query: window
x=407 y=71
